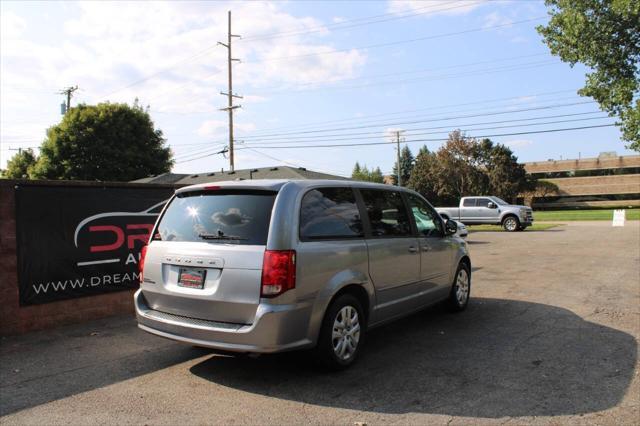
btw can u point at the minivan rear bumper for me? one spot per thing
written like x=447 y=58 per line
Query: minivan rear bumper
x=276 y=328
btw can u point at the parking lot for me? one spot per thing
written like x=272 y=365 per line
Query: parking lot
x=551 y=336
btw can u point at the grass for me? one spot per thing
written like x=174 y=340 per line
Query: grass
x=571 y=215
x=496 y=228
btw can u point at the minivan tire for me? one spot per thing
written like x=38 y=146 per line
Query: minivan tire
x=344 y=309
x=457 y=303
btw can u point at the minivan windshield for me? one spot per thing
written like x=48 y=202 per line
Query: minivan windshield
x=221 y=216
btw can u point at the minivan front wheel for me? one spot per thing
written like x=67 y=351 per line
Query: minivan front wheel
x=461 y=288
x=341 y=334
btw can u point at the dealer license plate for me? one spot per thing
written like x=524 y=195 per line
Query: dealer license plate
x=191 y=278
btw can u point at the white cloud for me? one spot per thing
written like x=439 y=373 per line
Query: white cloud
x=11 y=25
x=432 y=8
x=211 y=127
x=163 y=53
x=496 y=19
x=216 y=128
x=518 y=143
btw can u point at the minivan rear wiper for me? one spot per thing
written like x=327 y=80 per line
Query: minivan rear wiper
x=220 y=237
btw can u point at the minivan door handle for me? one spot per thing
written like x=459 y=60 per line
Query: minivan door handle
x=413 y=249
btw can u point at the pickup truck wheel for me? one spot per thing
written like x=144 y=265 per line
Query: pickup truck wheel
x=510 y=223
x=341 y=334
x=460 y=289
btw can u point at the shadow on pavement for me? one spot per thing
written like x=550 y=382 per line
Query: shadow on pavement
x=45 y=366
x=499 y=358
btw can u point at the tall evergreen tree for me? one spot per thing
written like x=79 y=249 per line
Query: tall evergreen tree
x=406 y=165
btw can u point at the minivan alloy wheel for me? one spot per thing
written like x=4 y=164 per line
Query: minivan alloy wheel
x=462 y=286
x=346 y=332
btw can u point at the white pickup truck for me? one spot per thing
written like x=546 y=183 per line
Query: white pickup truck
x=489 y=210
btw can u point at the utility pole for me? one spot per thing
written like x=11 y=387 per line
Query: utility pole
x=230 y=106
x=397 y=132
x=69 y=92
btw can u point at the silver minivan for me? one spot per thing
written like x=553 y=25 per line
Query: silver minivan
x=274 y=265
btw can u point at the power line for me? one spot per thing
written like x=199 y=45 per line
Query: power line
x=283 y=137
x=394 y=74
x=378 y=134
x=258 y=137
x=449 y=126
x=398 y=42
x=223 y=151
x=434 y=140
x=202 y=52
x=346 y=24
x=432 y=133
x=198 y=151
x=475 y=73
x=448 y=129
x=437 y=107
x=392 y=123
x=279 y=89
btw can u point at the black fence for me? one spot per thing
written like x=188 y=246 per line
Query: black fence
x=81 y=240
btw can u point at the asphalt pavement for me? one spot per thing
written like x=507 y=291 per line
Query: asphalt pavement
x=550 y=337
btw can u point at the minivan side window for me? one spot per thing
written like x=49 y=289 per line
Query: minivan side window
x=330 y=213
x=427 y=220
x=387 y=213
x=469 y=202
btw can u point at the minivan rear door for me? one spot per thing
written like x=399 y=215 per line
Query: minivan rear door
x=205 y=256
x=394 y=257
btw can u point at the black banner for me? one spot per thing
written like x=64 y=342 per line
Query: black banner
x=81 y=241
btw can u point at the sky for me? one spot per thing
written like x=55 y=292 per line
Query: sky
x=312 y=74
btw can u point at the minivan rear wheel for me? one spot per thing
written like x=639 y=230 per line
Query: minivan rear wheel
x=342 y=333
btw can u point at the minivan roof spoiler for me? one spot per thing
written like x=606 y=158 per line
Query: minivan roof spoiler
x=262 y=184
x=277 y=184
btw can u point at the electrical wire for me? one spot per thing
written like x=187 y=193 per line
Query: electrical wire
x=395 y=123
x=364 y=118
x=434 y=140
x=347 y=23
x=398 y=42
x=406 y=131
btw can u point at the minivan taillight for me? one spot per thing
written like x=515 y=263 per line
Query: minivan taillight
x=278 y=272
x=143 y=254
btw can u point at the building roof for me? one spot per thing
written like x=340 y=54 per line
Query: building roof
x=278 y=172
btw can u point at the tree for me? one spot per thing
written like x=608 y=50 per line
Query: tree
x=506 y=177
x=406 y=165
x=424 y=176
x=357 y=171
x=465 y=166
x=604 y=35
x=108 y=142
x=540 y=189
x=20 y=166
x=363 y=174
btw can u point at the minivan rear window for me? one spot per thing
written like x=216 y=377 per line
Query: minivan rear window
x=222 y=216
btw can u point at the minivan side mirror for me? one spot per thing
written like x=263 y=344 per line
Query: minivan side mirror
x=492 y=205
x=450 y=227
